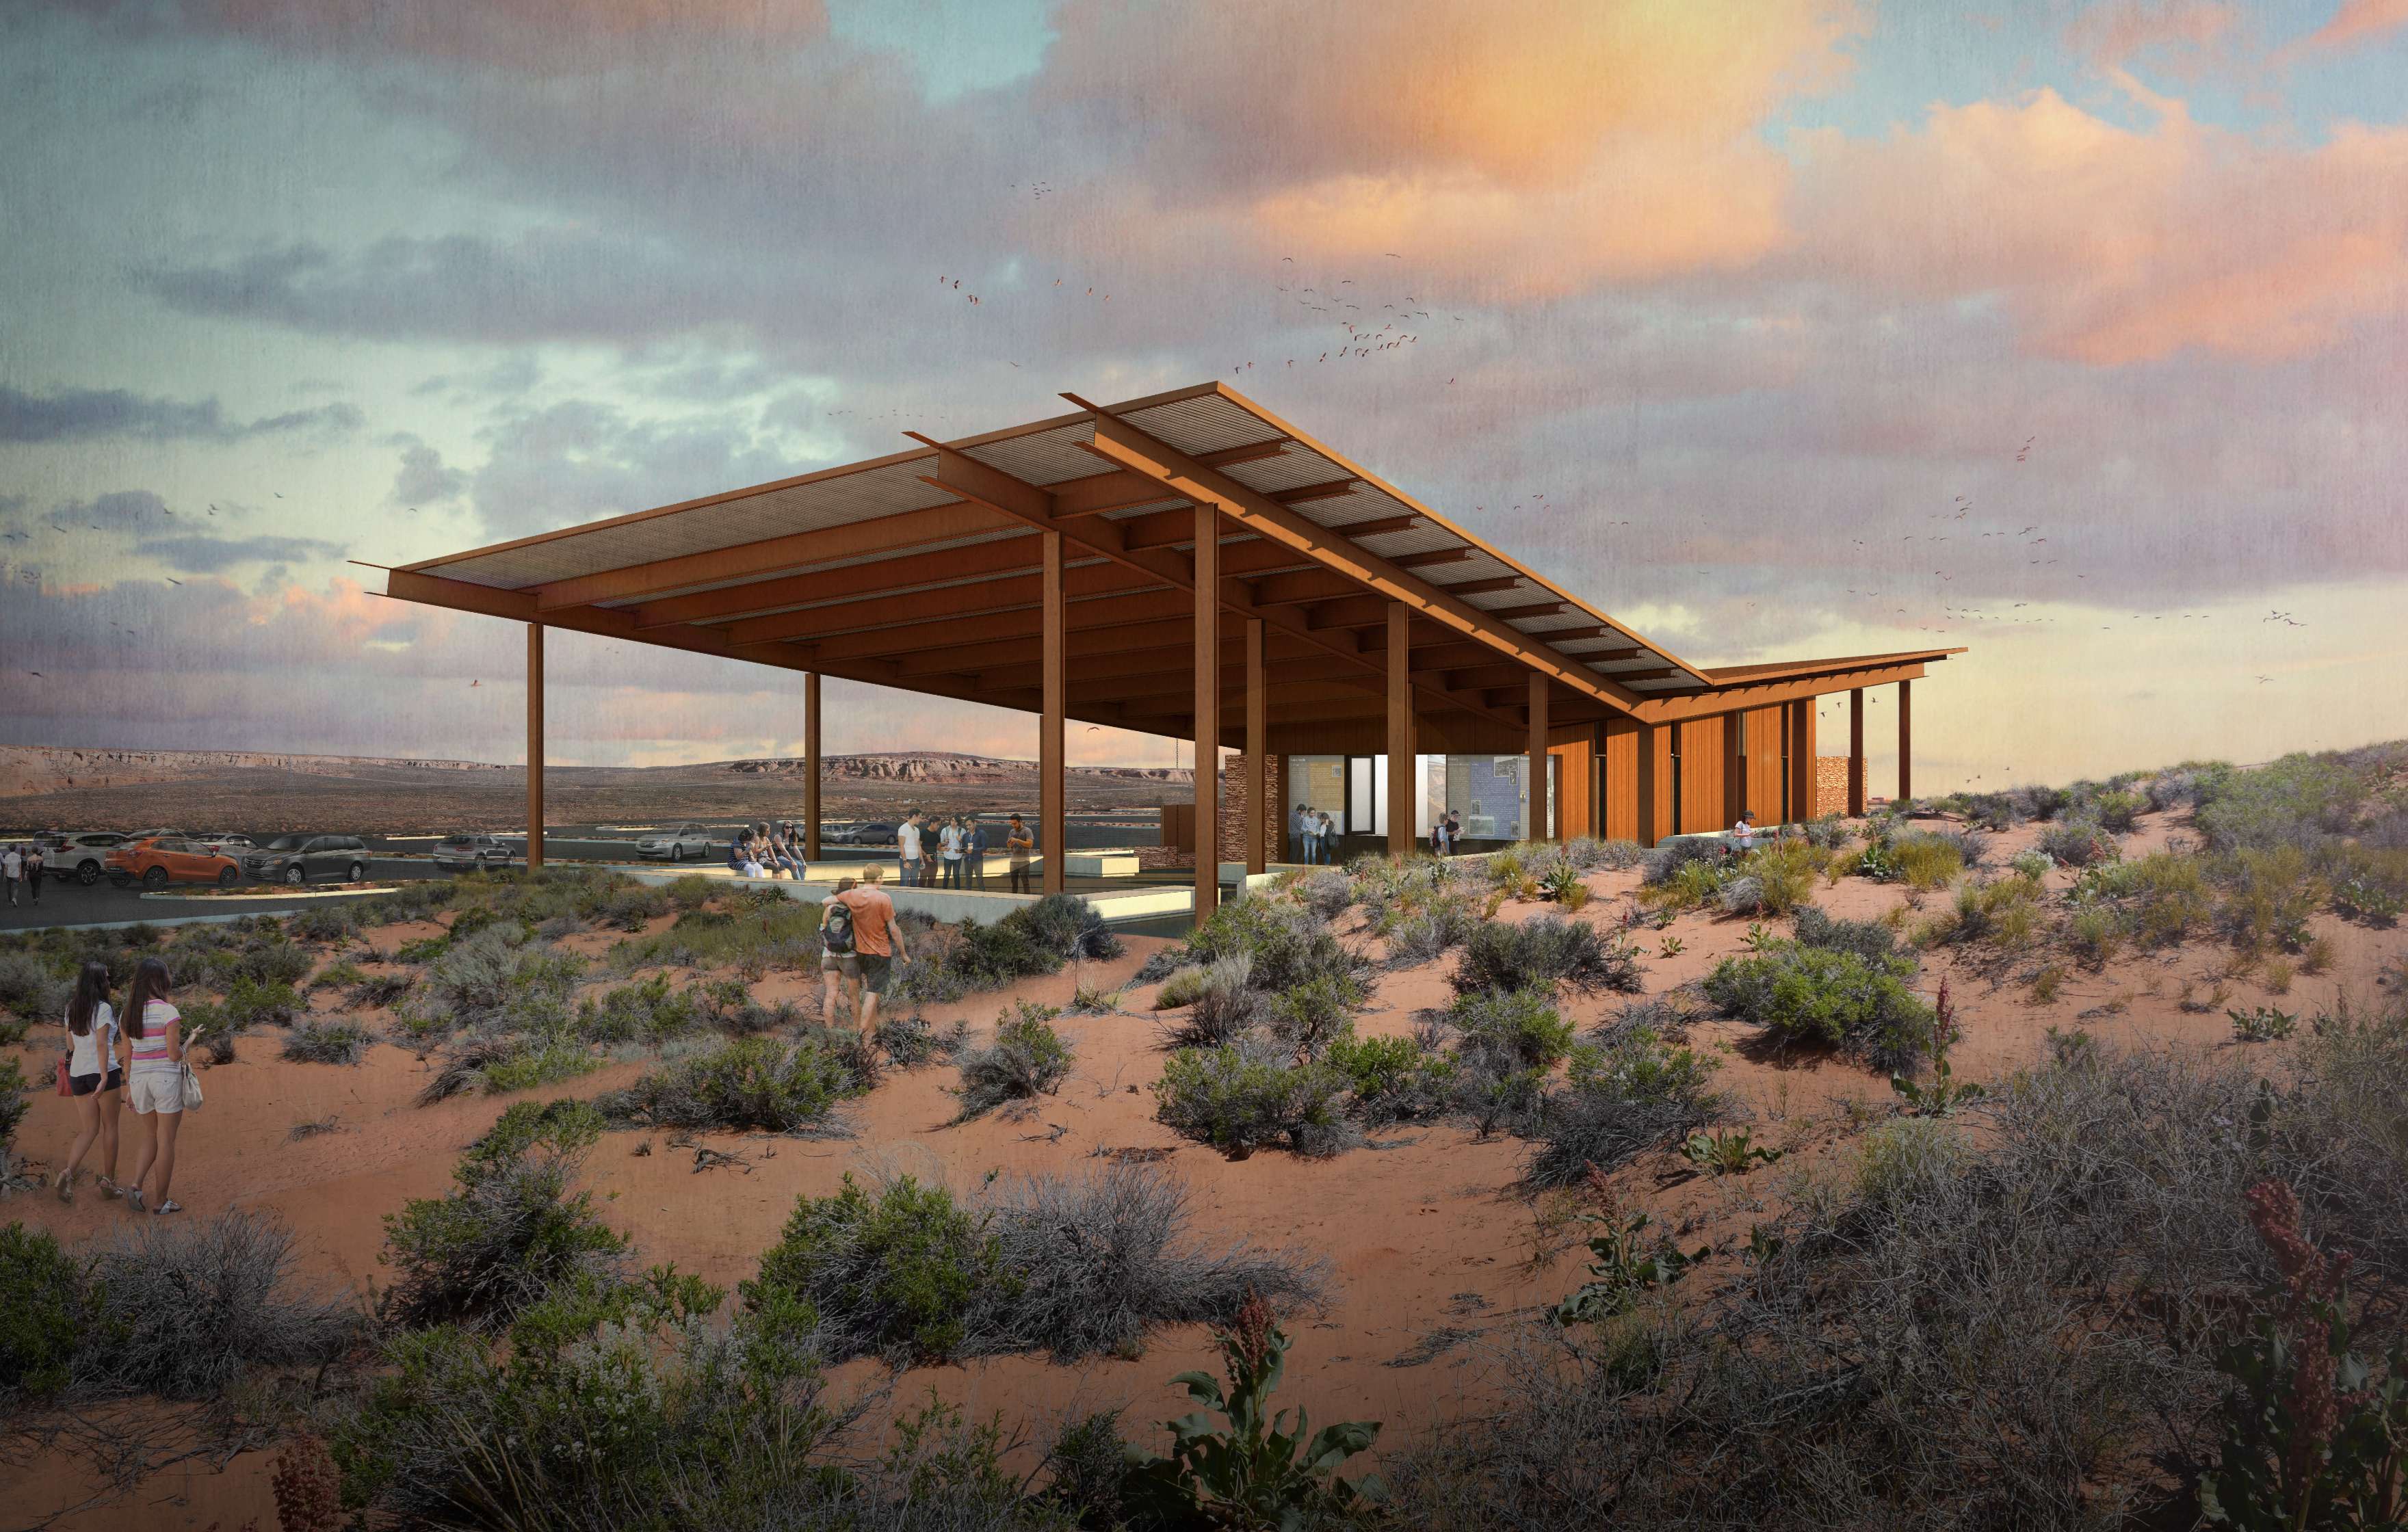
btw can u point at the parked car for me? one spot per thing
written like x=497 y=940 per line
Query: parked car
x=83 y=855
x=156 y=860
x=232 y=844
x=468 y=853
x=686 y=843
x=299 y=858
x=856 y=835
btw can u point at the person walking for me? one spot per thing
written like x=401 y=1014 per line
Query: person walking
x=877 y=946
x=12 y=868
x=1019 y=844
x=94 y=1079
x=1742 y=834
x=907 y=849
x=154 y=1085
x=1299 y=830
x=974 y=852
x=835 y=944
x=33 y=870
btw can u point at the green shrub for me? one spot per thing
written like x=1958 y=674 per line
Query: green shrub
x=1868 y=939
x=1620 y=1099
x=896 y=1273
x=909 y=1041
x=758 y=1084
x=44 y=1308
x=1307 y=1017
x=1826 y=998
x=507 y=1231
x=2078 y=842
x=1237 y=1099
x=2297 y=802
x=1542 y=953
x=326 y=1043
x=31 y=989
x=1520 y=1026
x=1028 y=1059
x=530 y=1061
x=1284 y=944
x=1927 y=861
x=2269 y=896
x=1393 y=1080
x=14 y=1089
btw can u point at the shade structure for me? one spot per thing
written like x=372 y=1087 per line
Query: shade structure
x=928 y=570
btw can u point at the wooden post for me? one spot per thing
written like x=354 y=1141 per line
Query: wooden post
x=1857 y=752
x=1261 y=814
x=1053 y=798
x=1208 y=711
x=1538 y=769
x=1905 y=741
x=1802 y=759
x=1644 y=737
x=1734 y=769
x=810 y=765
x=1400 y=728
x=535 y=745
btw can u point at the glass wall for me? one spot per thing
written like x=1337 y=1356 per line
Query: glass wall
x=1489 y=796
x=1318 y=782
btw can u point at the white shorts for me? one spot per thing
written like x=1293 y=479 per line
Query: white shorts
x=156 y=1090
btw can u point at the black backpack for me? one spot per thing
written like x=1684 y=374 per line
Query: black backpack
x=836 y=931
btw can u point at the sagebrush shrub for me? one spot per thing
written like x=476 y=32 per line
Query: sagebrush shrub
x=1239 y=1099
x=44 y=1313
x=1868 y=939
x=760 y=1084
x=187 y=1310
x=1836 y=999
x=326 y=1043
x=1393 y=1080
x=1543 y=952
x=1522 y=1027
x=1620 y=1099
x=895 y=1273
x=1027 y=1059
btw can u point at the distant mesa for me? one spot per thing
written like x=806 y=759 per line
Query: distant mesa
x=944 y=767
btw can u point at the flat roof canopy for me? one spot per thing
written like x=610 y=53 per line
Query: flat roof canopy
x=923 y=571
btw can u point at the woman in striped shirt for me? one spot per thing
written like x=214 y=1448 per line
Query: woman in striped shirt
x=154 y=1083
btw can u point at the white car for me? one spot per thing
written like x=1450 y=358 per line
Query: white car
x=235 y=846
x=686 y=843
x=82 y=856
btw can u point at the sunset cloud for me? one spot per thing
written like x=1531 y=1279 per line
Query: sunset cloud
x=2359 y=21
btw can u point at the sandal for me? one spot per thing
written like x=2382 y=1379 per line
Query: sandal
x=111 y=1189
x=134 y=1196
x=66 y=1188
x=170 y=1205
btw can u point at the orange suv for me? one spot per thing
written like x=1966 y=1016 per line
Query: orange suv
x=161 y=860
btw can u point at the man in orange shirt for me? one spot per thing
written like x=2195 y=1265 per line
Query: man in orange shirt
x=877 y=945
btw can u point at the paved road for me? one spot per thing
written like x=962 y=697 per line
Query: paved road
x=68 y=903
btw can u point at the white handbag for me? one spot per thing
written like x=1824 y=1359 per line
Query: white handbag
x=189 y=1087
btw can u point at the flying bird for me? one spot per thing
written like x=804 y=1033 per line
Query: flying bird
x=476 y=683
x=173 y=580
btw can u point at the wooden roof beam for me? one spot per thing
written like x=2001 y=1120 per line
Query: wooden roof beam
x=1118 y=443
x=786 y=555
x=985 y=560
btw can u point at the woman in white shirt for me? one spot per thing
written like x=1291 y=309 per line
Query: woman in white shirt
x=94 y=1079
x=154 y=1083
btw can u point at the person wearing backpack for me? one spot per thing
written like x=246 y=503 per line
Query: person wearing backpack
x=876 y=941
x=836 y=943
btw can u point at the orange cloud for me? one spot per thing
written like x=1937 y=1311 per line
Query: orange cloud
x=2114 y=31
x=2360 y=20
x=1520 y=149
x=2113 y=245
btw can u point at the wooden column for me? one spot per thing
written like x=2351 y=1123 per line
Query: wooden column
x=1644 y=782
x=1855 y=752
x=1400 y=728
x=1802 y=759
x=535 y=745
x=1261 y=814
x=1734 y=769
x=1053 y=798
x=1537 y=747
x=1905 y=741
x=810 y=765
x=1207 y=712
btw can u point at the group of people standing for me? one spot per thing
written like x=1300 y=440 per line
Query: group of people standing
x=151 y=1080
x=937 y=851
x=1314 y=832
x=23 y=863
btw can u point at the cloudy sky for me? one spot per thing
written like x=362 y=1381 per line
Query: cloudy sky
x=2073 y=332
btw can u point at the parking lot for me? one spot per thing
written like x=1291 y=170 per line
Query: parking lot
x=67 y=902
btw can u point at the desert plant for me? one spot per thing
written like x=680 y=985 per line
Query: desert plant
x=1308 y=1018
x=326 y=1043
x=896 y=1273
x=508 y=1230
x=1430 y=932
x=1027 y=1059
x=759 y=1083
x=2078 y=842
x=45 y=1310
x=1393 y=1080
x=1519 y=1028
x=1618 y=1100
x=1810 y=994
x=2262 y=1023
x=1727 y=1151
x=1907 y=1159
x=909 y=1041
x=1945 y=1092
x=2296 y=801
x=1238 y=1098
x=1868 y=939
x=1543 y=952
x=13 y=1105
x=1250 y=1471
x=2311 y=1437
x=1624 y=1264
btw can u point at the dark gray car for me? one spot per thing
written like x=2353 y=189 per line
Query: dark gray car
x=299 y=858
